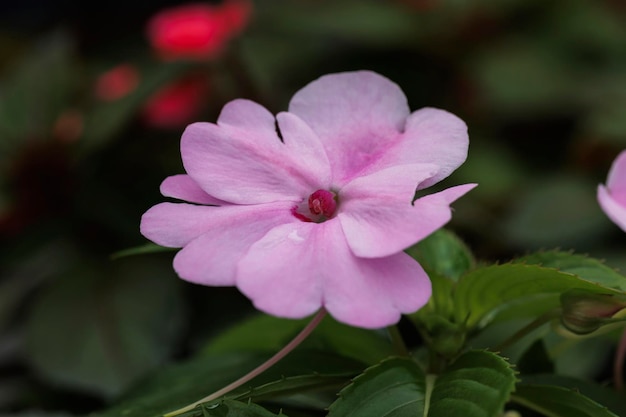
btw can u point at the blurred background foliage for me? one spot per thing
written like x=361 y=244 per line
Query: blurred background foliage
x=541 y=85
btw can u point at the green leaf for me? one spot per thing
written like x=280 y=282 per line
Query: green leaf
x=517 y=289
x=395 y=387
x=360 y=344
x=571 y=354
x=305 y=362
x=444 y=337
x=477 y=384
x=179 y=385
x=584 y=312
x=141 y=250
x=443 y=253
x=243 y=336
x=512 y=338
x=364 y=345
x=229 y=408
x=292 y=385
x=445 y=258
x=441 y=302
x=587 y=268
x=554 y=401
x=442 y=333
x=100 y=327
x=609 y=397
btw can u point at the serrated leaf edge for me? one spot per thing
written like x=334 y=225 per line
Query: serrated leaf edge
x=363 y=374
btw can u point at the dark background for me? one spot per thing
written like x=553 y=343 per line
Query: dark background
x=541 y=85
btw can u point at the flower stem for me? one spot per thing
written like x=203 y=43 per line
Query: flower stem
x=397 y=341
x=618 y=365
x=261 y=368
x=430 y=385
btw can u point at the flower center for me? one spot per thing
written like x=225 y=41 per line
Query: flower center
x=323 y=203
x=321 y=206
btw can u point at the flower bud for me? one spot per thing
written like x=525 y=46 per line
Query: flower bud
x=585 y=312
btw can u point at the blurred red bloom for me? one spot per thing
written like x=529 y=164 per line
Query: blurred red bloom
x=176 y=104
x=117 y=82
x=197 y=30
x=68 y=126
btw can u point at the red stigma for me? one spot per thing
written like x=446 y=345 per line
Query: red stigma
x=320 y=207
x=323 y=203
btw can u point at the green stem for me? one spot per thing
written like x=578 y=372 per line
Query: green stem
x=260 y=369
x=397 y=341
x=524 y=331
x=430 y=386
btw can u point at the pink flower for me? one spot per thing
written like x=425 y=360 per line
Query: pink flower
x=197 y=30
x=313 y=208
x=612 y=198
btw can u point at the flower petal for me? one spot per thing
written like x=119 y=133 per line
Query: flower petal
x=616 y=181
x=211 y=258
x=176 y=224
x=357 y=115
x=431 y=136
x=297 y=268
x=281 y=272
x=246 y=114
x=379 y=223
x=243 y=160
x=306 y=150
x=183 y=187
x=612 y=197
x=615 y=210
x=374 y=292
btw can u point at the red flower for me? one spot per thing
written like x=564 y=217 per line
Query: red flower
x=117 y=82
x=176 y=104
x=197 y=30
